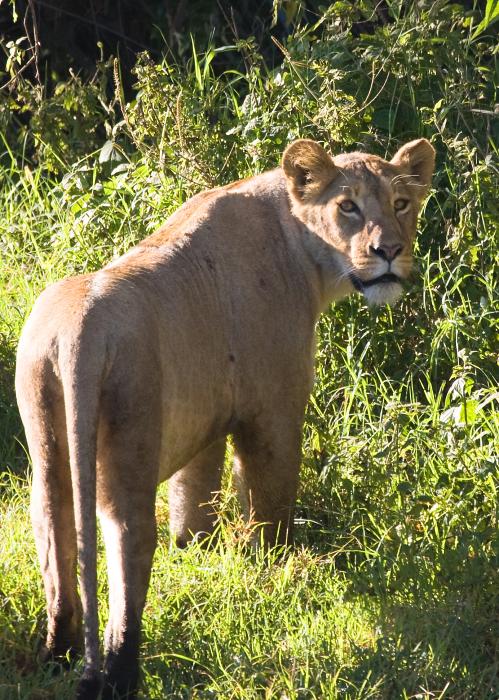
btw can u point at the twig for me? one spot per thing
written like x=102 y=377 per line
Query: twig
x=119 y=92
x=18 y=73
x=36 y=42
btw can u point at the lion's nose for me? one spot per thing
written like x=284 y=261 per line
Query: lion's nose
x=386 y=252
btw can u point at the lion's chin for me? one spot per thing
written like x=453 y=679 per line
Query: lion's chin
x=383 y=293
x=385 y=289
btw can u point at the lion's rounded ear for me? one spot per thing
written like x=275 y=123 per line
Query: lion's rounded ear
x=308 y=169
x=418 y=159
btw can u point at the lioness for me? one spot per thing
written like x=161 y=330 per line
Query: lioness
x=137 y=373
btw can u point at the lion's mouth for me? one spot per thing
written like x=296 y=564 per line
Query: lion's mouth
x=387 y=278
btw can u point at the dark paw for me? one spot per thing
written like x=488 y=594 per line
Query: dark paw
x=122 y=689
x=121 y=669
x=118 y=691
x=88 y=687
x=120 y=680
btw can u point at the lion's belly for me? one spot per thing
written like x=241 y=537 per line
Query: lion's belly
x=197 y=406
x=187 y=434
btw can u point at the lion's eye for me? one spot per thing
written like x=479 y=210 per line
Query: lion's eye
x=348 y=206
x=400 y=204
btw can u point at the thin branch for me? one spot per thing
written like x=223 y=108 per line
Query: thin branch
x=36 y=41
x=18 y=73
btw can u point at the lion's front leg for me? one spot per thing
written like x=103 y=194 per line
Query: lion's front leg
x=191 y=490
x=268 y=456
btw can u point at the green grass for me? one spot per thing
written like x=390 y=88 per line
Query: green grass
x=392 y=589
x=414 y=618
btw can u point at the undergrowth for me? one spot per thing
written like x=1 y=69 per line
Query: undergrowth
x=392 y=589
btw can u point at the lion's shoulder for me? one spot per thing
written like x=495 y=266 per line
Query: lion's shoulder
x=220 y=207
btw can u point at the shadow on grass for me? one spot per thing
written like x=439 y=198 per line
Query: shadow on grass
x=22 y=673
x=437 y=633
x=12 y=454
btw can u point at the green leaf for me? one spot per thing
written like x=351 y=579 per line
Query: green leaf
x=109 y=152
x=491 y=15
x=106 y=152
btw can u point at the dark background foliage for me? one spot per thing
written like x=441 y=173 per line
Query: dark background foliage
x=77 y=33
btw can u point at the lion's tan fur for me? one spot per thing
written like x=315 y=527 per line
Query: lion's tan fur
x=138 y=372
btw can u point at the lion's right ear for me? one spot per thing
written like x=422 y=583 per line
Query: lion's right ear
x=418 y=159
x=308 y=169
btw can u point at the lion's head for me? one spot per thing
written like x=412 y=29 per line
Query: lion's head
x=364 y=207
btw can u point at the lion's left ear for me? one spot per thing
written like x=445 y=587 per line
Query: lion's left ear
x=308 y=169
x=418 y=159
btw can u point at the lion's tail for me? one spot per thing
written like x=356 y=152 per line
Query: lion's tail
x=82 y=368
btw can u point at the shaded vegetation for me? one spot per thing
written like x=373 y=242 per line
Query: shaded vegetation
x=392 y=591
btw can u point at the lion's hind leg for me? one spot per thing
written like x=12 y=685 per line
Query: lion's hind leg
x=127 y=469
x=130 y=538
x=42 y=409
